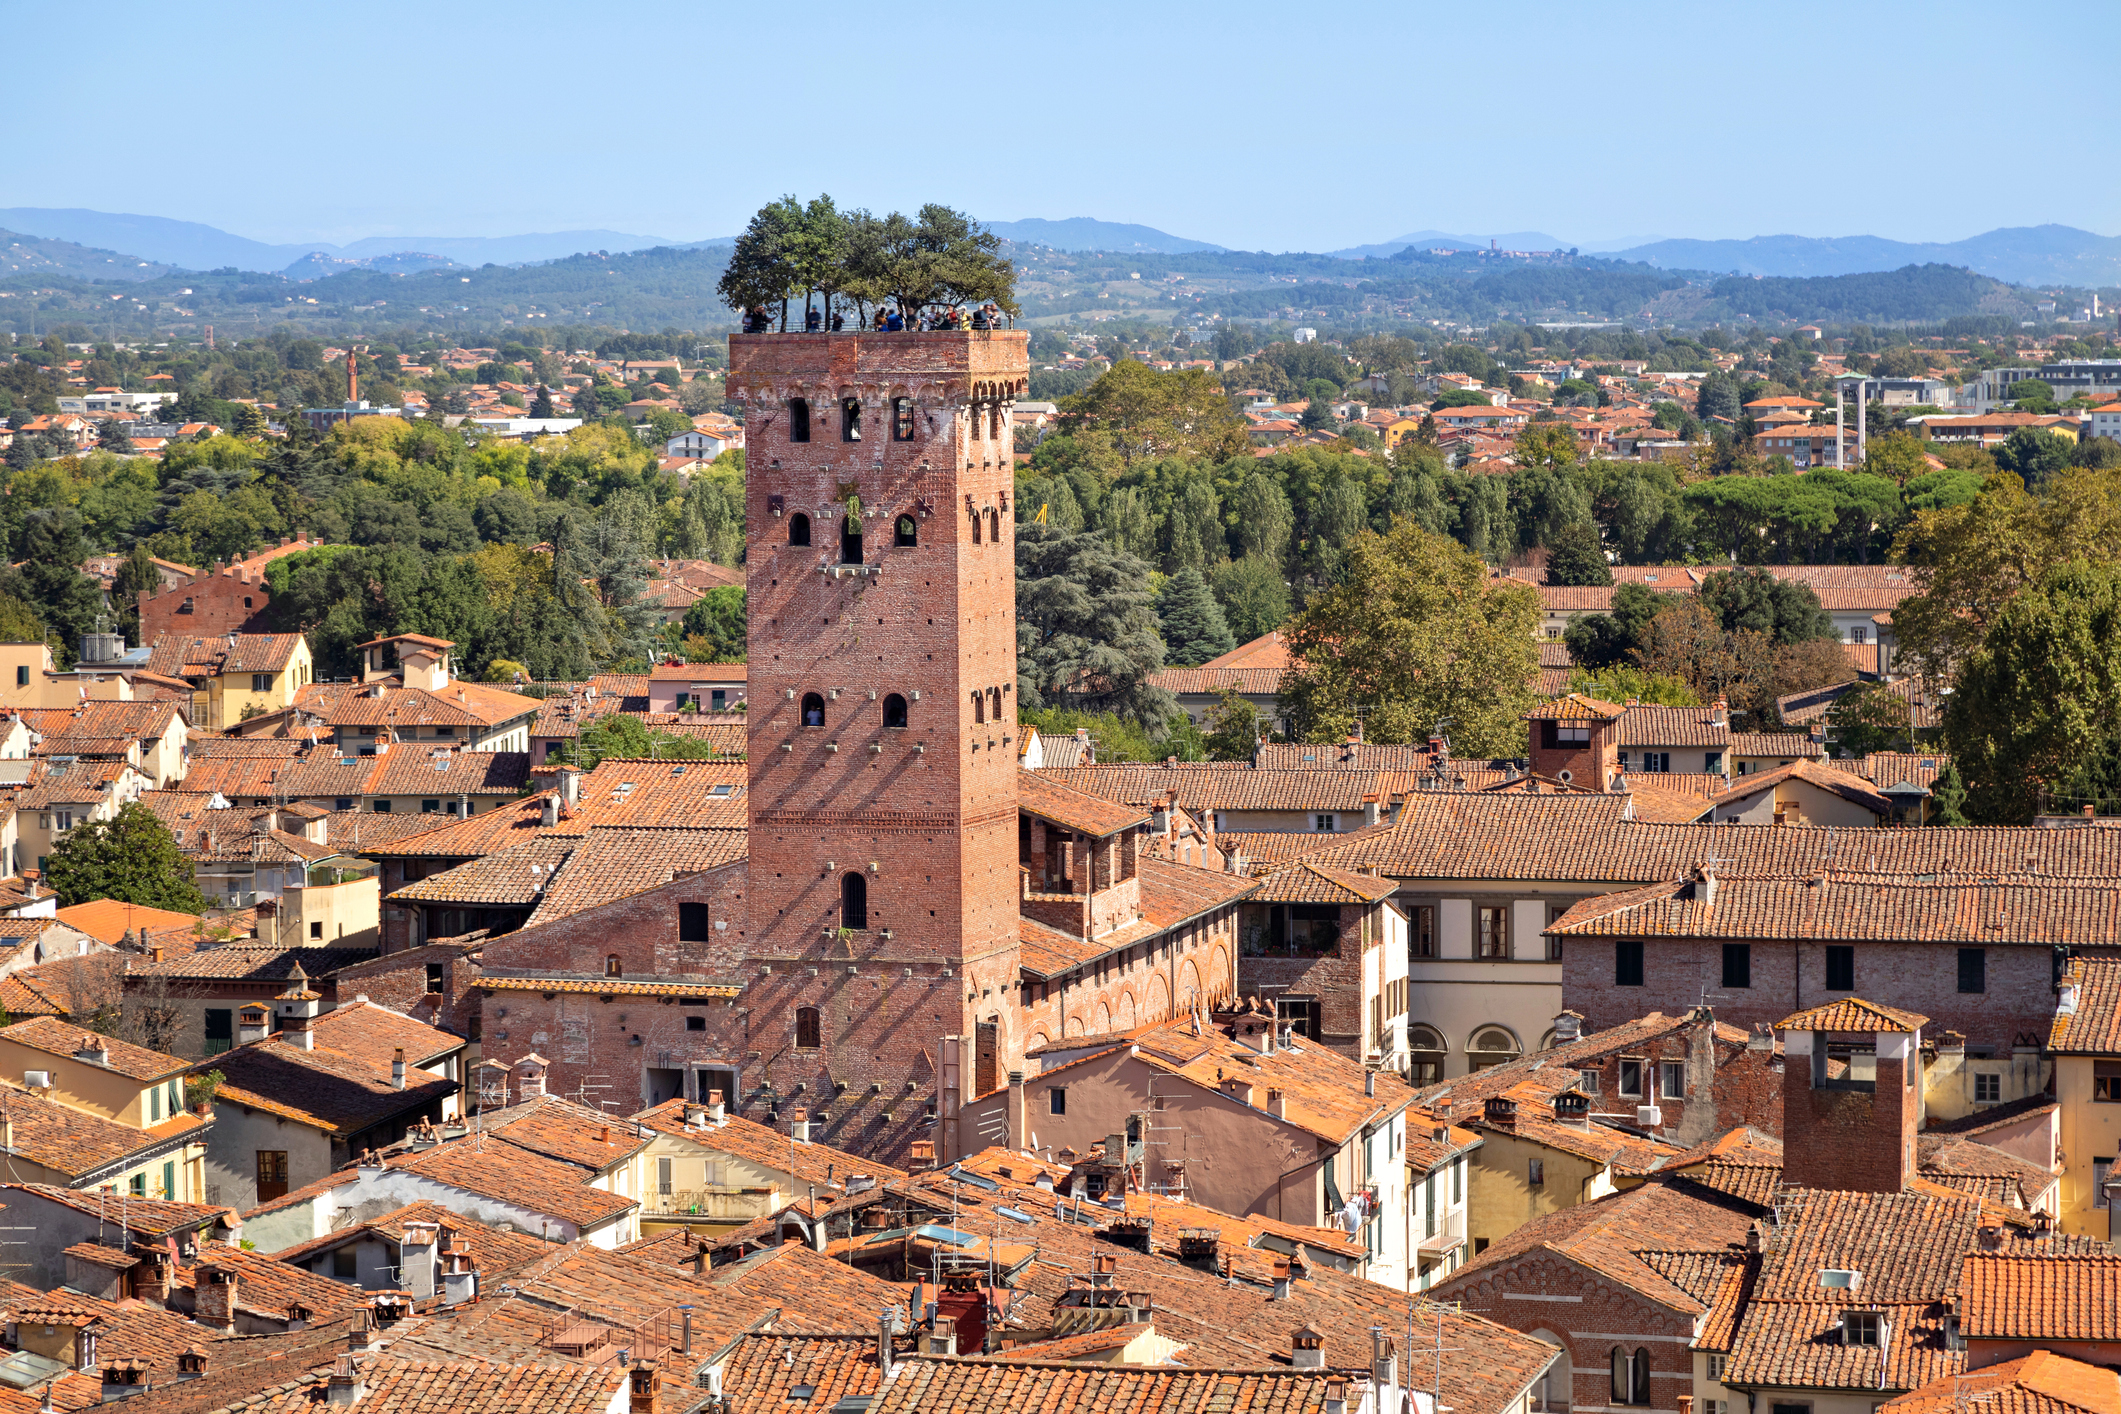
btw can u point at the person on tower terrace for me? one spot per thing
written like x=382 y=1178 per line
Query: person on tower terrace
x=813 y=320
x=894 y=323
x=839 y=321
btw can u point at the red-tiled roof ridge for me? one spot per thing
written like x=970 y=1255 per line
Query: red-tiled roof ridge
x=2040 y=1383
x=1856 y=1015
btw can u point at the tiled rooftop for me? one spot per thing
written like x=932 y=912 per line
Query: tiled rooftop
x=57 y=1038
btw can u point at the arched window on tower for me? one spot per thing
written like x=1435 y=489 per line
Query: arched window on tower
x=902 y=419
x=894 y=711
x=850 y=541
x=994 y=703
x=799 y=529
x=994 y=525
x=975 y=527
x=612 y=966
x=798 y=420
x=813 y=710
x=907 y=532
x=809 y=1029
x=994 y=421
x=979 y=706
x=854 y=900
x=850 y=419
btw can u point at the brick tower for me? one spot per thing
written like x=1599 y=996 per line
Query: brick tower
x=882 y=715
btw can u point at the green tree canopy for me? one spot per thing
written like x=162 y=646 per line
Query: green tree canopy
x=2042 y=691
x=1417 y=633
x=1575 y=556
x=131 y=857
x=1134 y=412
x=1085 y=630
x=1783 y=610
x=1190 y=620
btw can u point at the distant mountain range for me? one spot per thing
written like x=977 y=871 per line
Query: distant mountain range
x=193 y=246
x=2023 y=255
x=1086 y=233
x=96 y=244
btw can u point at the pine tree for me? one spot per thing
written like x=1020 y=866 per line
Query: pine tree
x=1192 y=622
x=1948 y=798
x=1085 y=629
x=541 y=404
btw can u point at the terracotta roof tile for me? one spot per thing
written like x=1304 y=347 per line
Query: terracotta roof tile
x=1854 y=1014
x=250 y=963
x=340 y=1092
x=151 y=1217
x=999 y=1385
x=57 y=1038
x=1306 y=882
x=2090 y=1022
x=82 y=1146
x=2039 y=1383
x=2015 y=1296
x=1038 y=794
x=1875 y=907
x=615 y=861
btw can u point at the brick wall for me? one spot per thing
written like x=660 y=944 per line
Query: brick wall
x=1191 y=965
x=1744 y=1086
x=1538 y=1293
x=926 y=813
x=219 y=603
x=1789 y=977
x=400 y=981
x=1335 y=981
x=1862 y=1140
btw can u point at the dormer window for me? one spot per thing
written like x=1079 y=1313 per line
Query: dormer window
x=1862 y=1328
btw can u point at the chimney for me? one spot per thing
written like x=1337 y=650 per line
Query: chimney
x=1384 y=1362
x=570 y=786
x=297 y=1033
x=885 y=1324
x=1707 y=891
x=530 y=1076
x=1307 y=1347
x=1720 y=713
x=214 y=1298
x=1369 y=1084
x=717 y=1109
x=1990 y=1236
x=1854 y=1132
x=1370 y=809
x=344 y=1388
x=397 y=1069
x=416 y=1258
x=550 y=811
x=461 y=1282
x=642 y=1395
x=1019 y=1113
x=253 y=1024
x=1500 y=1111
x=1238 y=1089
x=92 y=1050
x=1277 y=1104
x=1568 y=1026
x=799 y=1126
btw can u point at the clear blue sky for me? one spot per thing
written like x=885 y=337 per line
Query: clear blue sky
x=1263 y=126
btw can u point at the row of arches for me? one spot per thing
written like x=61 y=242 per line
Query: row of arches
x=1489 y=1044
x=813 y=710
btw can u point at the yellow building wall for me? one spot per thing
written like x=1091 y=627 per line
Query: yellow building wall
x=1500 y=1197
x=2091 y=1129
x=230 y=695
x=346 y=915
x=82 y=1086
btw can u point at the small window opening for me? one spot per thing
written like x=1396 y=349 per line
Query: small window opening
x=894 y=711
x=907 y=532
x=994 y=526
x=798 y=420
x=850 y=542
x=611 y=966
x=979 y=706
x=850 y=419
x=809 y=1029
x=854 y=900
x=813 y=710
x=902 y=419
x=975 y=527
x=799 y=529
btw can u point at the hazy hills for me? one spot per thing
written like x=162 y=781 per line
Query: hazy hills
x=2025 y=255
